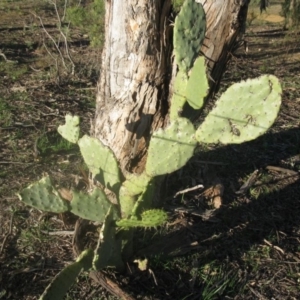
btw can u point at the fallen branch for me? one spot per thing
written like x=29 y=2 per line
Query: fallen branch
x=109 y=285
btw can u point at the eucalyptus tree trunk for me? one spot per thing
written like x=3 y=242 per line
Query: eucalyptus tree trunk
x=134 y=89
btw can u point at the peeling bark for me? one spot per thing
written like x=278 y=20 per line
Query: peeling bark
x=134 y=88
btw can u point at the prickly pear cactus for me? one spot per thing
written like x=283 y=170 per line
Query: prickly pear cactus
x=126 y=201
x=149 y=218
x=135 y=184
x=92 y=206
x=42 y=195
x=70 y=131
x=131 y=189
x=101 y=162
x=179 y=95
x=145 y=200
x=108 y=251
x=171 y=148
x=66 y=278
x=189 y=33
x=197 y=86
x=244 y=112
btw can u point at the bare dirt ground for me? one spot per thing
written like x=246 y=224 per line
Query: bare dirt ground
x=247 y=249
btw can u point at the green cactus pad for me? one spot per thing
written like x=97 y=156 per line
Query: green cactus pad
x=132 y=187
x=93 y=207
x=126 y=202
x=244 y=112
x=171 y=148
x=135 y=184
x=66 y=278
x=108 y=251
x=70 y=131
x=145 y=200
x=179 y=95
x=149 y=218
x=42 y=195
x=197 y=86
x=189 y=33
x=101 y=162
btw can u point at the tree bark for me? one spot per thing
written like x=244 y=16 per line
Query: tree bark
x=225 y=21
x=293 y=15
x=134 y=87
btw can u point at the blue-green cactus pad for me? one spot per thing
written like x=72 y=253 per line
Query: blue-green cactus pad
x=149 y=218
x=93 y=206
x=145 y=200
x=126 y=202
x=136 y=183
x=42 y=195
x=101 y=162
x=244 y=112
x=171 y=148
x=131 y=188
x=70 y=131
x=197 y=86
x=189 y=33
x=179 y=95
x=108 y=251
x=66 y=278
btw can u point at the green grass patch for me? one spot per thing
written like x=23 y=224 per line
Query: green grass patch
x=5 y=113
x=216 y=279
x=90 y=19
x=32 y=237
x=11 y=70
x=53 y=143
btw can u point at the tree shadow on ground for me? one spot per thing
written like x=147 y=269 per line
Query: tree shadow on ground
x=244 y=221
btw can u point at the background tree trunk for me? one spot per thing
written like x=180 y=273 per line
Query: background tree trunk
x=134 y=88
x=226 y=23
x=293 y=13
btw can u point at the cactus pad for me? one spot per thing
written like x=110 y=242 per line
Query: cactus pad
x=149 y=218
x=64 y=280
x=44 y=196
x=70 y=131
x=126 y=202
x=93 y=207
x=178 y=98
x=189 y=33
x=108 y=251
x=135 y=184
x=145 y=200
x=132 y=187
x=171 y=148
x=197 y=86
x=101 y=162
x=244 y=112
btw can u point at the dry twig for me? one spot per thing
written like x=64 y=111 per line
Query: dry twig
x=199 y=186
